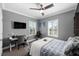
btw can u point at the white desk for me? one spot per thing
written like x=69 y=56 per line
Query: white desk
x=12 y=39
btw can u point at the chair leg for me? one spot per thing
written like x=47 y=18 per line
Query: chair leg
x=18 y=47
x=28 y=53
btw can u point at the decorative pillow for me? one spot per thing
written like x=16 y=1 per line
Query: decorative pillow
x=70 y=38
x=68 y=46
x=70 y=51
x=74 y=39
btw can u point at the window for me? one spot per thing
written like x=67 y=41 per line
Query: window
x=53 y=28
x=32 y=27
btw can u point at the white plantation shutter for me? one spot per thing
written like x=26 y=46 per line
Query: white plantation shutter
x=53 y=28
x=32 y=27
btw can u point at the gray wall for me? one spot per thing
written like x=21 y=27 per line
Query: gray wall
x=65 y=25
x=0 y=5
x=77 y=10
x=9 y=18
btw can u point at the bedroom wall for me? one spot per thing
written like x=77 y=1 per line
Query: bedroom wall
x=8 y=18
x=65 y=24
x=77 y=10
x=0 y=5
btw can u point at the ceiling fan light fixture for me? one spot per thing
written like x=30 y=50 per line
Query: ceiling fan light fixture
x=41 y=11
x=42 y=14
x=42 y=8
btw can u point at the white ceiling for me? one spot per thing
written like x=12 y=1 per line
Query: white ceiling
x=23 y=8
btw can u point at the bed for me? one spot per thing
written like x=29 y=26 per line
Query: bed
x=50 y=47
x=36 y=46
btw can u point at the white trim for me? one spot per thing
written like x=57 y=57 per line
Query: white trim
x=29 y=28
x=18 y=13
x=4 y=8
x=58 y=12
x=57 y=28
x=41 y=18
x=7 y=47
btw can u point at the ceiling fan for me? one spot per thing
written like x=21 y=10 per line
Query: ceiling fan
x=42 y=8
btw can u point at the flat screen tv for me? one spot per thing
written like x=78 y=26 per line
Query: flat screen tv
x=19 y=25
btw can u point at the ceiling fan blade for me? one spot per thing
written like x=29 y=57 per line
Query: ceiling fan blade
x=48 y=6
x=35 y=8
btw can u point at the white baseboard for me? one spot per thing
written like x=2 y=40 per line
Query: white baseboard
x=7 y=47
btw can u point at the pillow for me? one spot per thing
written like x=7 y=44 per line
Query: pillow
x=70 y=38
x=74 y=39
x=68 y=46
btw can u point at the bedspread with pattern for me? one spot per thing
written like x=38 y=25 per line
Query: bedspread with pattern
x=53 y=48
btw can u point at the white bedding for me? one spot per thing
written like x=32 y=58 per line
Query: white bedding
x=36 y=46
x=40 y=47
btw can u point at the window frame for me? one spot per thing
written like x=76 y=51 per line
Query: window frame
x=53 y=26
x=35 y=27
